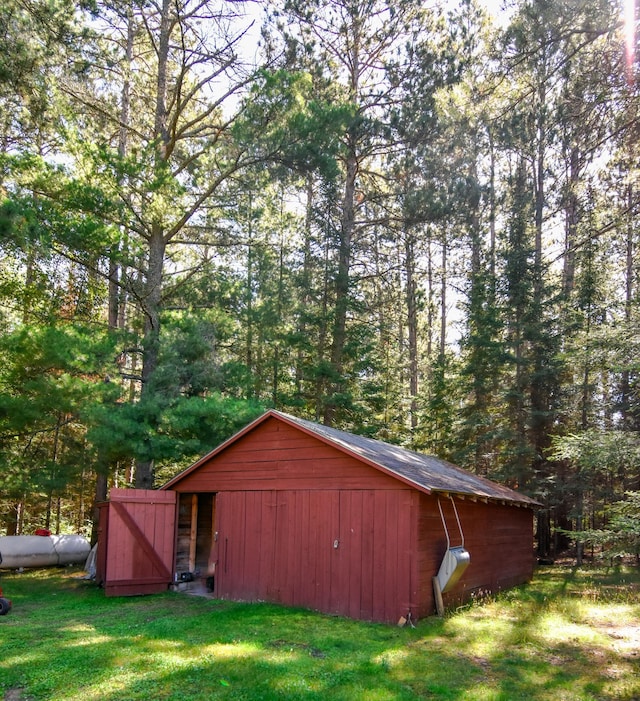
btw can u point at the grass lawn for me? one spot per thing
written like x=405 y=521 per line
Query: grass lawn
x=572 y=634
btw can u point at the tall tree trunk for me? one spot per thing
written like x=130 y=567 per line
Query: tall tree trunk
x=342 y=287
x=115 y=294
x=347 y=222
x=492 y=213
x=430 y=306
x=116 y=305
x=628 y=419
x=248 y=352
x=539 y=383
x=144 y=472
x=571 y=224
x=412 y=326
x=54 y=461
x=14 y=513
x=152 y=302
x=443 y=300
x=305 y=284
x=322 y=381
x=275 y=392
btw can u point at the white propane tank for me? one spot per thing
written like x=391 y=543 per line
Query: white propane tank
x=42 y=551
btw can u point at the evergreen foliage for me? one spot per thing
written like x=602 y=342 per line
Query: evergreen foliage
x=417 y=225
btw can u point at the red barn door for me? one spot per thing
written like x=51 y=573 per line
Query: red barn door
x=338 y=551
x=137 y=538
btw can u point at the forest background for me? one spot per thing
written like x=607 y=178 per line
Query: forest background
x=414 y=222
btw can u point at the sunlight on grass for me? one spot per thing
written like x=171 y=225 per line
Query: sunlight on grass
x=612 y=613
x=235 y=651
x=175 y=656
x=293 y=684
x=86 y=635
x=483 y=630
x=79 y=628
x=115 y=686
x=555 y=628
x=157 y=665
x=391 y=658
x=25 y=658
x=564 y=638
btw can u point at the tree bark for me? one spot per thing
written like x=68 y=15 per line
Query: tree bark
x=152 y=302
x=412 y=327
x=571 y=224
x=144 y=471
x=342 y=285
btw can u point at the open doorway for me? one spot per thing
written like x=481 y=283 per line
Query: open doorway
x=195 y=548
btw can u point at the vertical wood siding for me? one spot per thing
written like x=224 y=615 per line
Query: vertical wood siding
x=139 y=541
x=346 y=553
x=283 y=498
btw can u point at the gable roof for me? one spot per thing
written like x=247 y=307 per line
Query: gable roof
x=424 y=472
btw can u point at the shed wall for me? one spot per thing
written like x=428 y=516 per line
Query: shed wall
x=347 y=552
x=499 y=539
x=283 y=497
x=275 y=455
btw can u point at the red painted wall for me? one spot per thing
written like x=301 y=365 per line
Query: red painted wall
x=499 y=539
x=284 y=498
x=341 y=552
x=275 y=455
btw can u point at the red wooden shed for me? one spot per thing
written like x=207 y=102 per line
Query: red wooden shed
x=294 y=512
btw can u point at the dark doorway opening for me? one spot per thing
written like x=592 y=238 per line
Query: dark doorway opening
x=195 y=549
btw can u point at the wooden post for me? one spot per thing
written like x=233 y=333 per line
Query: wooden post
x=213 y=548
x=194 y=532
x=437 y=594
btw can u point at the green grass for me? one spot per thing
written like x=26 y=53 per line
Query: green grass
x=572 y=634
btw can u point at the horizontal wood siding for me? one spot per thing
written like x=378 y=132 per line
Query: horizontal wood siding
x=499 y=539
x=341 y=552
x=275 y=455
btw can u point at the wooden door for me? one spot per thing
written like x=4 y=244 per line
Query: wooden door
x=138 y=541
x=337 y=551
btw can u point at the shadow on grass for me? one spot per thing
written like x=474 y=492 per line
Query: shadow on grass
x=546 y=641
x=65 y=640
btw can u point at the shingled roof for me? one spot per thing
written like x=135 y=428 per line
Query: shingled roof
x=425 y=472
